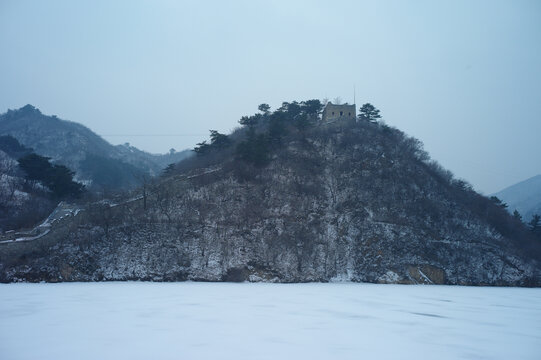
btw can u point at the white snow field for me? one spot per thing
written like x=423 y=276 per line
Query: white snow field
x=153 y=321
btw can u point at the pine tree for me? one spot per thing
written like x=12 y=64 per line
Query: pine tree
x=218 y=140
x=202 y=148
x=535 y=224
x=368 y=112
x=498 y=202
x=58 y=178
x=517 y=215
x=264 y=108
x=168 y=170
x=254 y=149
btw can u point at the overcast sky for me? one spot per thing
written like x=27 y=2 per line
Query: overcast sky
x=462 y=76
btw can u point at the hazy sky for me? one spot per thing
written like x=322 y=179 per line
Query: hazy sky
x=462 y=76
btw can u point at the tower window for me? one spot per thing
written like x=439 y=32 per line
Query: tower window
x=333 y=112
x=341 y=113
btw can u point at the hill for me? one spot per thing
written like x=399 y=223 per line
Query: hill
x=96 y=163
x=525 y=197
x=289 y=198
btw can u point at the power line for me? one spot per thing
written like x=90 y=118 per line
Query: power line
x=150 y=135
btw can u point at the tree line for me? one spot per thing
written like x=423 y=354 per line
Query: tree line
x=36 y=168
x=266 y=129
x=57 y=178
x=534 y=225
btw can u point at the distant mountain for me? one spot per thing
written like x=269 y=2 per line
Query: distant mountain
x=525 y=197
x=96 y=162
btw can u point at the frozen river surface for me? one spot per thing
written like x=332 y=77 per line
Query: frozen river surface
x=155 y=321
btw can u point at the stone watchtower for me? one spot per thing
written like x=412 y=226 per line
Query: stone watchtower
x=334 y=112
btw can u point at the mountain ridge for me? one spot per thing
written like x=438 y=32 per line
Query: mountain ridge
x=82 y=150
x=524 y=196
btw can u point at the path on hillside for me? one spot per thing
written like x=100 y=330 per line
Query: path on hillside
x=61 y=211
x=64 y=210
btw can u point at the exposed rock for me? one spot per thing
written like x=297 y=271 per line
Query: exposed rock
x=426 y=274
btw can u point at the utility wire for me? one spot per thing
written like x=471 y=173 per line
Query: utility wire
x=150 y=135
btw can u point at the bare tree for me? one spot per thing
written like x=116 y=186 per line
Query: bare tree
x=165 y=197
x=145 y=182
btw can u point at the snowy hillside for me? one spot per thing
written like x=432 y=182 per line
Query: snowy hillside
x=355 y=201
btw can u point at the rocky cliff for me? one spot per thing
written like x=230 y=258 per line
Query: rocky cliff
x=355 y=201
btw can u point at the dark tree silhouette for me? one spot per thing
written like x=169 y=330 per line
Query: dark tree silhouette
x=498 y=202
x=169 y=170
x=277 y=128
x=202 y=148
x=58 y=178
x=517 y=215
x=369 y=112
x=250 y=120
x=264 y=108
x=12 y=147
x=312 y=107
x=218 y=140
x=254 y=149
x=535 y=223
x=36 y=167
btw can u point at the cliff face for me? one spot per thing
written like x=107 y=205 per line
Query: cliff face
x=357 y=202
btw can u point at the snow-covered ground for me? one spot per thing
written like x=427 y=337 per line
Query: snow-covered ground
x=157 y=321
